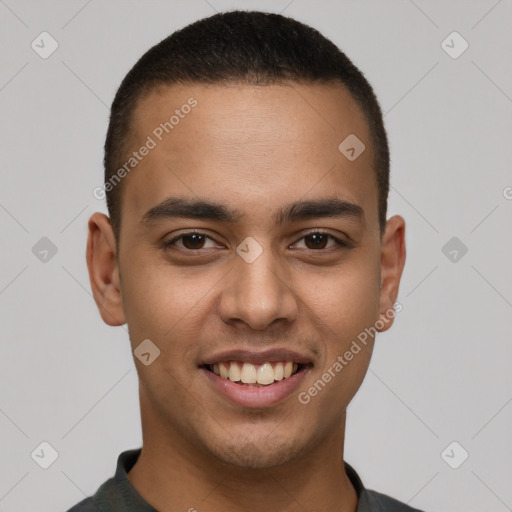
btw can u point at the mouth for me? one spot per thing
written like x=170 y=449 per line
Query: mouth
x=256 y=379
x=250 y=374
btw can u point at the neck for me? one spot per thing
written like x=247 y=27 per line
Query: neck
x=173 y=475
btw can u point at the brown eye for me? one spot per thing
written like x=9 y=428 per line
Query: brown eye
x=316 y=241
x=193 y=241
x=190 y=242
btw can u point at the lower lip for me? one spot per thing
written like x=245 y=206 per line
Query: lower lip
x=256 y=396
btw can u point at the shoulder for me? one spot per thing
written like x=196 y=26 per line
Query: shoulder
x=373 y=501
x=377 y=502
x=106 y=499
x=86 y=505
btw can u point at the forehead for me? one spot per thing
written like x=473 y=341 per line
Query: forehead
x=249 y=114
x=226 y=142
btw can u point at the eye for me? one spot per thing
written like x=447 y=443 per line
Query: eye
x=318 y=240
x=195 y=241
x=191 y=241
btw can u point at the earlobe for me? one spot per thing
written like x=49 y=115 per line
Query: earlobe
x=392 y=265
x=103 y=269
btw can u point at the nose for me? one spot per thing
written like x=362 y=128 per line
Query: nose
x=258 y=294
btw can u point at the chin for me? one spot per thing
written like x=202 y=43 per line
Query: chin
x=251 y=452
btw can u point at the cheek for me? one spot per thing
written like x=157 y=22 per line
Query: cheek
x=343 y=309
x=344 y=305
x=346 y=300
x=159 y=301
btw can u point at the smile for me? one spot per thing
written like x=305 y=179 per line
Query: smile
x=256 y=379
x=255 y=374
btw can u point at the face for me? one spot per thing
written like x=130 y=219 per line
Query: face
x=249 y=248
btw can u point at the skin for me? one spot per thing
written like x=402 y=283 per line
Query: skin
x=253 y=149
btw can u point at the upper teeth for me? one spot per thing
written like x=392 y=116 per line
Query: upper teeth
x=249 y=373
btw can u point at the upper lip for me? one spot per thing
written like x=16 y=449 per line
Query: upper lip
x=258 y=357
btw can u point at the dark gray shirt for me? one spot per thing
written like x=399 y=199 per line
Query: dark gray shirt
x=118 y=494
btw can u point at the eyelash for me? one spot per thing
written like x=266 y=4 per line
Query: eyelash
x=169 y=243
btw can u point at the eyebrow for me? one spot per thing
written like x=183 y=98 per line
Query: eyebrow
x=331 y=207
x=176 y=207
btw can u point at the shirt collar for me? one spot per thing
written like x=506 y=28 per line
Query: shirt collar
x=132 y=498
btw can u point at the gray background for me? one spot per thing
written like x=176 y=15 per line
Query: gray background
x=442 y=374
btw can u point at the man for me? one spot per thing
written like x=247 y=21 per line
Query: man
x=248 y=251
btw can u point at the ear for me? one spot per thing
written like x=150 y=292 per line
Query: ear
x=103 y=269
x=391 y=266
